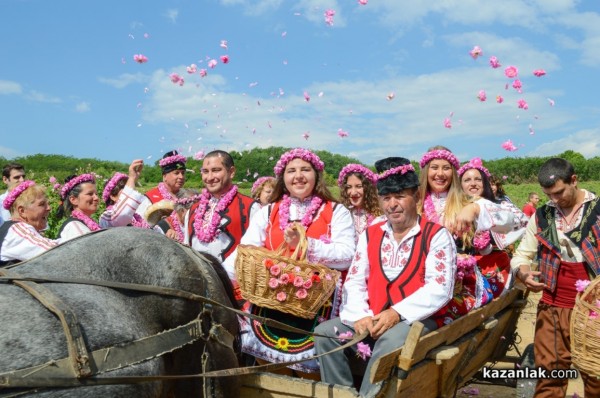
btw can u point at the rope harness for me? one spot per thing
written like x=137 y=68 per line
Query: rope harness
x=81 y=367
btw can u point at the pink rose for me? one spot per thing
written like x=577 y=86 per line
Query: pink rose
x=281 y=296
x=202 y=72
x=273 y=283
x=298 y=281
x=494 y=62
x=301 y=294
x=499 y=99
x=482 y=97
x=284 y=279
x=224 y=58
x=275 y=270
x=539 y=72
x=511 y=72
x=52 y=180
x=307 y=284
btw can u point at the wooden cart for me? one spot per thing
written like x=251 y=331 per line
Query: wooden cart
x=433 y=365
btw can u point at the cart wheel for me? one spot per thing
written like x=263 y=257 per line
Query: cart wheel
x=526 y=387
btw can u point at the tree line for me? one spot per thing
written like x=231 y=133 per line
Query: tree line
x=257 y=162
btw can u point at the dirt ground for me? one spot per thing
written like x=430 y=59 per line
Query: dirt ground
x=526 y=329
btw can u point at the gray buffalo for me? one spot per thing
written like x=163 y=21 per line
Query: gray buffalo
x=31 y=335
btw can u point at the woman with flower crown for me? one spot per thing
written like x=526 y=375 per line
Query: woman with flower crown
x=445 y=203
x=358 y=192
x=122 y=200
x=20 y=237
x=80 y=202
x=300 y=195
x=492 y=258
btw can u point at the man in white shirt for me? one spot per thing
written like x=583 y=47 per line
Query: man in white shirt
x=12 y=175
x=403 y=271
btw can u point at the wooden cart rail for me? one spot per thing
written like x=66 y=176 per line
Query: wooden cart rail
x=433 y=365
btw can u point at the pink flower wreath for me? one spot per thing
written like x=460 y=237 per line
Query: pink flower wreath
x=298 y=153
x=16 y=192
x=439 y=154
x=356 y=168
x=474 y=163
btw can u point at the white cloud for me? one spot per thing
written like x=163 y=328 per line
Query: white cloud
x=124 y=80
x=172 y=14
x=406 y=125
x=9 y=153
x=82 y=107
x=8 y=87
x=586 y=142
x=41 y=97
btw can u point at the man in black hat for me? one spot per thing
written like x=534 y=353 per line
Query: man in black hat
x=403 y=271
x=172 y=165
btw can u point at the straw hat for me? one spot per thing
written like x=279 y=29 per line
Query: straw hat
x=159 y=210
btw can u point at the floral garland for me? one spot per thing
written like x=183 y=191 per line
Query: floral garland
x=165 y=193
x=284 y=212
x=84 y=218
x=429 y=209
x=259 y=182
x=69 y=185
x=111 y=184
x=474 y=163
x=465 y=266
x=176 y=226
x=405 y=168
x=16 y=192
x=439 y=154
x=356 y=168
x=207 y=234
x=481 y=240
x=298 y=153
x=139 y=222
x=172 y=159
x=188 y=200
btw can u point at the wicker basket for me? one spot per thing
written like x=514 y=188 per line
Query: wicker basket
x=282 y=281
x=585 y=330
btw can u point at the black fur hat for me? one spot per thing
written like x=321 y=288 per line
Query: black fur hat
x=172 y=160
x=398 y=181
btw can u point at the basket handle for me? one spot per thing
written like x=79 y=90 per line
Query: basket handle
x=299 y=253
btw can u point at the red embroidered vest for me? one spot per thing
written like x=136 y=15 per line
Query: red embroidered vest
x=384 y=292
x=154 y=195
x=237 y=218
x=318 y=228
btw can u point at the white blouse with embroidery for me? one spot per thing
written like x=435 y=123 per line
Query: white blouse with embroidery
x=23 y=242
x=440 y=269
x=335 y=252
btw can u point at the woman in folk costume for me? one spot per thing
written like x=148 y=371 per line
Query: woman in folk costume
x=492 y=258
x=300 y=195
x=262 y=190
x=122 y=200
x=358 y=192
x=444 y=202
x=20 y=237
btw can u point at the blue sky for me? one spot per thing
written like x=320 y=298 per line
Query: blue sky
x=387 y=74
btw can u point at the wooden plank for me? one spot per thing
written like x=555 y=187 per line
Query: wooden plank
x=383 y=365
x=270 y=385
x=447 y=334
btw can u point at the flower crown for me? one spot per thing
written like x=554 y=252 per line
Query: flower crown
x=187 y=200
x=259 y=182
x=69 y=185
x=298 y=153
x=405 y=168
x=172 y=159
x=474 y=163
x=439 y=154
x=356 y=168
x=14 y=194
x=111 y=184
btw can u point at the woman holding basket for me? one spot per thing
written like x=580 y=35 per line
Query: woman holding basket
x=300 y=200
